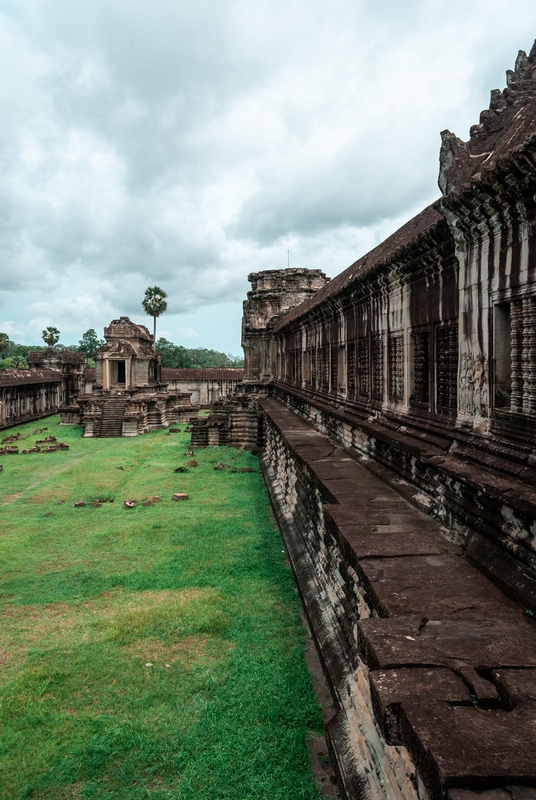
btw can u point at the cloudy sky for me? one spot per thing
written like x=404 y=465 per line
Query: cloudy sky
x=186 y=144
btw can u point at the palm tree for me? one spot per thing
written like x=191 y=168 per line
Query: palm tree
x=51 y=336
x=154 y=304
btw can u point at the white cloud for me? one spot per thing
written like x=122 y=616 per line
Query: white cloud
x=188 y=333
x=187 y=145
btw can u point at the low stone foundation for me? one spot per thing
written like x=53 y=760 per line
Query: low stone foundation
x=487 y=502
x=432 y=668
x=234 y=422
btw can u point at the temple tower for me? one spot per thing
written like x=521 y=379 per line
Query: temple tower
x=273 y=293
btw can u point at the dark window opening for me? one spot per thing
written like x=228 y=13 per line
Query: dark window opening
x=334 y=368
x=377 y=366
x=505 y=345
x=421 y=367
x=447 y=367
x=363 y=370
x=396 y=368
x=351 y=371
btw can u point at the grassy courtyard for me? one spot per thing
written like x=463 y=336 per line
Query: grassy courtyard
x=152 y=652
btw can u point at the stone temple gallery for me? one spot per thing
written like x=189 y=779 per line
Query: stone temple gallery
x=394 y=412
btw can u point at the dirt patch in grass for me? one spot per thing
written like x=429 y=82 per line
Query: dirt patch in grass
x=117 y=615
x=142 y=600
x=12 y=656
x=71 y=792
x=44 y=497
x=150 y=650
x=11 y=498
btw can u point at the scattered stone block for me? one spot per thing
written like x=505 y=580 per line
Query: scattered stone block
x=10 y=450
x=150 y=500
x=130 y=503
x=96 y=504
x=193 y=463
x=221 y=465
x=120 y=468
x=12 y=438
x=181 y=469
x=180 y=496
x=80 y=503
x=246 y=469
x=174 y=430
x=48 y=514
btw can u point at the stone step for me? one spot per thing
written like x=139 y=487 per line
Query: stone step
x=112 y=418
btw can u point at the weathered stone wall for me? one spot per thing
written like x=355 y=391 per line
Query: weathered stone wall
x=234 y=421
x=490 y=512
x=431 y=667
x=334 y=601
x=27 y=394
x=205 y=386
x=69 y=364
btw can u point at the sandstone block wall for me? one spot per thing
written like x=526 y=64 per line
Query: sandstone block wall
x=27 y=394
x=432 y=668
x=488 y=506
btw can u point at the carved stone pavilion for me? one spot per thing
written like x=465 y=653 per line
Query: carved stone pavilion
x=128 y=397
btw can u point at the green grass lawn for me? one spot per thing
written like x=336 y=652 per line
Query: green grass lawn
x=153 y=652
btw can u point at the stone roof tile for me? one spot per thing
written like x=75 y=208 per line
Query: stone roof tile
x=383 y=253
x=19 y=377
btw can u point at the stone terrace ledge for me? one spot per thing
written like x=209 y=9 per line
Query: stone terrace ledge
x=432 y=667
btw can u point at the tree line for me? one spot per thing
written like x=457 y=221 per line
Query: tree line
x=13 y=355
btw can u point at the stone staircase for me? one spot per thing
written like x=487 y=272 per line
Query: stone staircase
x=113 y=412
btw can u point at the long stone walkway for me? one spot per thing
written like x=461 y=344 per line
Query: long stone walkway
x=451 y=659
